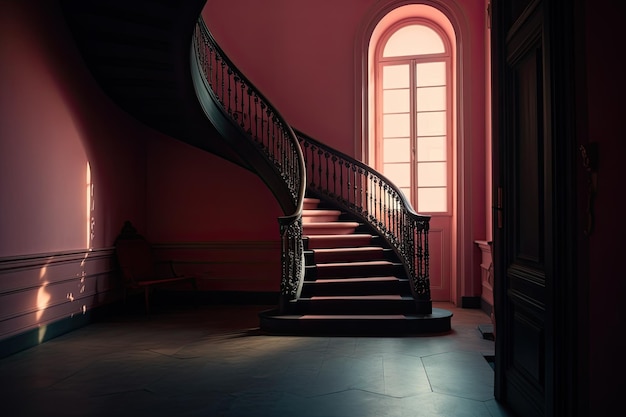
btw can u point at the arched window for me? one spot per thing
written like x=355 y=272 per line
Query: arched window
x=413 y=117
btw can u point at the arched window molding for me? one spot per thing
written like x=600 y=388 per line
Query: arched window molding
x=452 y=18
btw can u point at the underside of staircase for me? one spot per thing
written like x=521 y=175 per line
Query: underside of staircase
x=353 y=284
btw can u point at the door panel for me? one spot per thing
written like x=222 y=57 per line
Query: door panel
x=522 y=238
x=439 y=245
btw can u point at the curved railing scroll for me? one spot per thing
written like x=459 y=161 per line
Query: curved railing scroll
x=255 y=117
x=368 y=195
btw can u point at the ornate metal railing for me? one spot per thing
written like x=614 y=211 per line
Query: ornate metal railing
x=370 y=196
x=256 y=118
x=350 y=184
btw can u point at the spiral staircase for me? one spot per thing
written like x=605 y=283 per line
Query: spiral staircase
x=354 y=254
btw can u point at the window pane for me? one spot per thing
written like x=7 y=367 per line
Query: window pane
x=395 y=76
x=396 y=101
x=430 y=74
x=413 y=40
x=430 y=98
x=432 y=200
x=431 y=174
x=399 y=174
x=396 y=125
x=431 y=123
x=397 y=150
x=431 y=149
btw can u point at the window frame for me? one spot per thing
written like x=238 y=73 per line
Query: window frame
x=412 y=61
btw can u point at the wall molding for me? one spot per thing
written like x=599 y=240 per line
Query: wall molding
x=39 y=290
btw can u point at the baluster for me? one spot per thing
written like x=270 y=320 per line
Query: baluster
x=224 y=81
x=360 y=193
x=210 y=64
x=334 y=160
x=319 y=169
x=250 y=111
x=326 y=159
x=236 y=82
x=340 y=196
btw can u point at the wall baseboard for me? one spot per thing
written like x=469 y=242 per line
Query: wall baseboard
x=470 y=302
x=35 y=337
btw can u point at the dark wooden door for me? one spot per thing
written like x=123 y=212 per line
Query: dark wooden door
x=533 y=223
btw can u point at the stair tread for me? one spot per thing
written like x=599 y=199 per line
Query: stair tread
x=340 y=237
x=356 y=279
x=359 y=297
x=313 y=212
x=414 y=316
x=351 y=316
x=350 y=249
x=353 y=264
x=333 y=224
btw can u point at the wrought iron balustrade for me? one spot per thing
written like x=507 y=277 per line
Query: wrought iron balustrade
x=368 y=195
x=305 y=163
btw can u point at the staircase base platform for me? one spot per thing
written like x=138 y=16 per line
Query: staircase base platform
x=273 y=322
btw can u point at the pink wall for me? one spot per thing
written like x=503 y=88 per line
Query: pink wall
x=55 y=236
x=53 y=120
x=302 y=56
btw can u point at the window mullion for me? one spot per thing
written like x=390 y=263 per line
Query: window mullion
x=413 y=135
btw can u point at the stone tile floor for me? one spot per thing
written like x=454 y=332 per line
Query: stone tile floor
x=212 y=360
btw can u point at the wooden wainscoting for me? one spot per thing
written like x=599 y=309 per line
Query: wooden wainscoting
x=227 y=265
x=42 y=295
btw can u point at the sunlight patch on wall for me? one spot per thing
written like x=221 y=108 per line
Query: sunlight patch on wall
x=90 y=225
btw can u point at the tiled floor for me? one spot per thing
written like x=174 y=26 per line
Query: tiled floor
x=213 y=361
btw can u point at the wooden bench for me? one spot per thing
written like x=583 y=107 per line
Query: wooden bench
x=139 y=268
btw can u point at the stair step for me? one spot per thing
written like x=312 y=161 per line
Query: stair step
x=355 y=286
x=329 y=228
x=357 y=269
x=351 y=254
x=356 y=304
x=367 y=324
x=338 y=241
x=320 y=216
x=310 y=203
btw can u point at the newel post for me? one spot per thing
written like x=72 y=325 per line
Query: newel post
x=292 y=260
x=421 y=277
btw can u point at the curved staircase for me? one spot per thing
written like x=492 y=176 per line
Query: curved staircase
x=353 y=283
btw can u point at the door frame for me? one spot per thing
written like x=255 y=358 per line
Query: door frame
x=560 y=353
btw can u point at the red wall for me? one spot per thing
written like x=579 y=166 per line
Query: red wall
x=194 y=196
x=605 y=93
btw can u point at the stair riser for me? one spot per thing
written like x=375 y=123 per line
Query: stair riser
x=356 y=256
x=355 y=307
x=349 y=288
x=310 y=229
x=318 y=219
x=313 y=258
x=345 y=242
x=348 y=271
x=356 y=327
